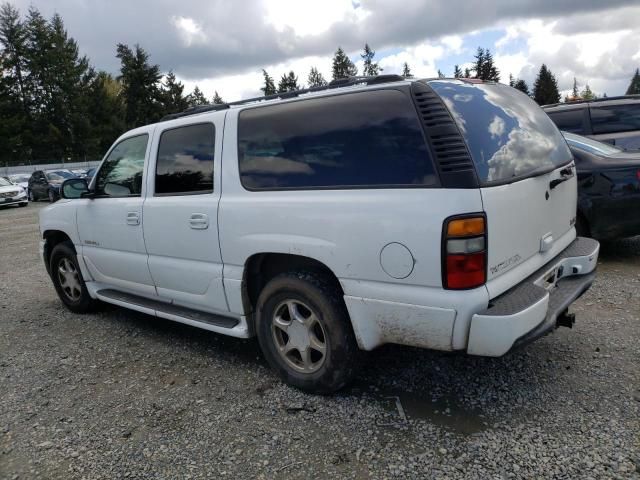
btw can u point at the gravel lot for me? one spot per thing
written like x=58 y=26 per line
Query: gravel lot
x=123 y=395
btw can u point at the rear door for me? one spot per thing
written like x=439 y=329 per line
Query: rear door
x=181 y=214
x=526 y=174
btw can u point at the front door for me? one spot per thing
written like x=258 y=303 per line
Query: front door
x=180 y=214
x=110 y=225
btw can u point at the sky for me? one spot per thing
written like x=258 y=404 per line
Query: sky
x=223 y=45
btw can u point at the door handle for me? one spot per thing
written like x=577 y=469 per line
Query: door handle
x=199 y=221
x=133 y=218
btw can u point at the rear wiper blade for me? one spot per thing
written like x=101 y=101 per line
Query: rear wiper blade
x=566 y=173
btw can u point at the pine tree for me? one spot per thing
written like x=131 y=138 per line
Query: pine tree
x=370 y=68
x=269 y=87
x=467 y=73
x=574 y=92
x=545 y=87
x=342 y=66
x=315 y=78
x=457 y=72
x=197 y=98
x=587 y=93
x=521 y=85
x=406 y=71
x=440 y=74
x=634 y=86
x=483 y=66
x=217 y=99
x=288 y=83
x=105 y=113
x=139 y=81
x=172 y=95
x=512 y=81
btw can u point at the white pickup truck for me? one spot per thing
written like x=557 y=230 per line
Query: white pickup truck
x=433 y=213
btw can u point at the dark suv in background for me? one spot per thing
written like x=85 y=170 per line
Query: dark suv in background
x=46 y=184
x=614 y=120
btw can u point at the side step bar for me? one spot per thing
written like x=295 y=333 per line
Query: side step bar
x=169 y=308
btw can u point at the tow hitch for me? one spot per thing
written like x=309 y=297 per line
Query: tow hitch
x=566 y=319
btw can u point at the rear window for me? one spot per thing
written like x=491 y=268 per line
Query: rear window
x=508 y=134
x=352 y=140
x=569 y=120
x=615 y=118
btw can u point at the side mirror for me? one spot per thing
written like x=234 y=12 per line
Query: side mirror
x=74 y=188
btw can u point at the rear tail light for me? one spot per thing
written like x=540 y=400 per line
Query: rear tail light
x=464 y=252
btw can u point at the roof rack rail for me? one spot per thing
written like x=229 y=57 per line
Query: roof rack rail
x=595 y=100
x=339 y=83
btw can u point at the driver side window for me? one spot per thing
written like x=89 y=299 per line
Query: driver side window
x=121 y=173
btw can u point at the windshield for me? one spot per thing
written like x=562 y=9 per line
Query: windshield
x=19 y=178
x=591 y=146
x=58 y=175
x=4 y=182
x=508 y=134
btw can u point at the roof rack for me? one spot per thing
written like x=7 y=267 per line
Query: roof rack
x=339 y=83
x=595 y=100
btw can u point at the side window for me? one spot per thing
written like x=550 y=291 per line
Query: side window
x=615 y=118
x=185 y=160
x=121 y=173
x=569 y=120
x=344 y=141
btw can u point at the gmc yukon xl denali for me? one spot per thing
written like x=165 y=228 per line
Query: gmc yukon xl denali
x=433 y=213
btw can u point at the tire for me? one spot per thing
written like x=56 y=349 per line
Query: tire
x=52 y=196
x=72 y=293
x=582 y=227
x=304 y=314
x=23 y=204
x=32 y=196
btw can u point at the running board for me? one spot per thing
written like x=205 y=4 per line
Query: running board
x=168 y=308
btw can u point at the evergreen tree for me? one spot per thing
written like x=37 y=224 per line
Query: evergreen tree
x=521 y=85
x=574 y=92
x=467 y=73
x=512 y=81
x=406 y=71
x=370 y=68
x=634 y=86
x=197 y=98
x=217 y=99
x=457 y=72
x=483 y=66
x=269 y=87
x=440 y=74
x=172 y=95
x=587 y=93
x=545 y=87
x=106 y=114
x=139 y=81
x=315 y=78
x=288 y=83
x=342 y=66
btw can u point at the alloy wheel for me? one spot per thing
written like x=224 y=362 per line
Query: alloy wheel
x=69 y=279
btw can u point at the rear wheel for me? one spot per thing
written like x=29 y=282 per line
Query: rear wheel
x=305 y=333
x=67 y=279
x=582 y=227
x=32 y=196
x=52 y=196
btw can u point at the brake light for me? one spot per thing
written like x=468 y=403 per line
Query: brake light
x=464 y=252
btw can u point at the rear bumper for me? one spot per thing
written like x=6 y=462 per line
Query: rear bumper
x=532 y=308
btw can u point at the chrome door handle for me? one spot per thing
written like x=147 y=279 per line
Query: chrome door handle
x=199 y=221
x=133 y=218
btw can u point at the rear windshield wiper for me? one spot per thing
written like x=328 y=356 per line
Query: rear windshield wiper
x=566 y=173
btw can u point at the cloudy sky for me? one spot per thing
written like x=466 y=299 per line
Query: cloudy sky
x=223 y=44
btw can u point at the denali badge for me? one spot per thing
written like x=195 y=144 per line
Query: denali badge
x=505 y=264
x=91 y=242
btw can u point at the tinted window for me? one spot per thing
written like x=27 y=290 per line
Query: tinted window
x=615 y=118
x=185 y=160
x=569 y=120
x=351 y=140
x=508 y=134
x=121 y=173
x=58 y=175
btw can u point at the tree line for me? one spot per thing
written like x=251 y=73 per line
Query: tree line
x=55 y=106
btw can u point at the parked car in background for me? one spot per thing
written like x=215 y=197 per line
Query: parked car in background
x=21 y=179
x=11 y=194
x=90 y=173
x=46 y=184
x=614 y=120
x=438 y=214
x=608 y=189
x=79 y=172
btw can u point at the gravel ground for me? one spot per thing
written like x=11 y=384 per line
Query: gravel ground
x=119 y=394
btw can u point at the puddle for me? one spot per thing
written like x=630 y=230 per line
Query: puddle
x=444 y=412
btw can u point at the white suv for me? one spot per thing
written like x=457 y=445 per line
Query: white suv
x=434 y=213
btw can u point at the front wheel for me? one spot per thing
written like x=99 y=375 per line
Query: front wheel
x=32 y=197
x=305 y=333
x=52 y=196
x=67 y=279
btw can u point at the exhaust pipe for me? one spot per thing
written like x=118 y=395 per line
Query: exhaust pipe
x=566 y=319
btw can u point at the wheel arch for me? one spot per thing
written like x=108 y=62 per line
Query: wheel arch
x=51 y=239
